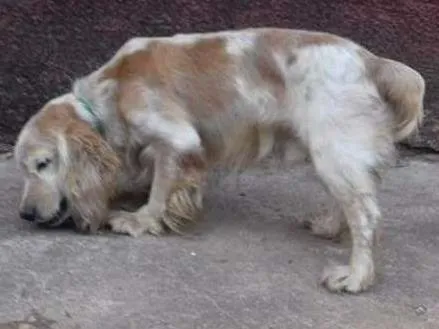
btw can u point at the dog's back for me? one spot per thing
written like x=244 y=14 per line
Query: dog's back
x=253 y=84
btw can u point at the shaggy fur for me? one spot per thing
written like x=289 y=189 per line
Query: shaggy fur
x=163 y=111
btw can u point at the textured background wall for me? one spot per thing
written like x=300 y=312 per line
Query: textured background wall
x=44 y=44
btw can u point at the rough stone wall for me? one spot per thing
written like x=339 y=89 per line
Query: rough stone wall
x=46 y=43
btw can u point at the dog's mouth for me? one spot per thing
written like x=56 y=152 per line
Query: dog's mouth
x=59 y=218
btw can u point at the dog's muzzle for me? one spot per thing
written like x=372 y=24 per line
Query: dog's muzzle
x=59 y=218
x=56 y=220
x=29 y=215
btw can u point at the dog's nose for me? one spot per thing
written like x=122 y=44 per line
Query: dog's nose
x=29 y=215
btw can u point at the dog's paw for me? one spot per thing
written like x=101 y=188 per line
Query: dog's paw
x=153 y=225
x=134 y=224
x=344 y=279
x=82 y=226
x=125 y=223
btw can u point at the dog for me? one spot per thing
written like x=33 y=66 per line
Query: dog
x=163 y=111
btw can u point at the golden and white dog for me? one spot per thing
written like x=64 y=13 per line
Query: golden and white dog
x=164 y=110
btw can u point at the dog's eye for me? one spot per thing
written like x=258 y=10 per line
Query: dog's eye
x=41 y=165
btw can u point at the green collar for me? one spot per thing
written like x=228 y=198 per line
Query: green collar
x=96 y=122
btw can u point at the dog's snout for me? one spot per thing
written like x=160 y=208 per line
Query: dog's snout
x=29 y=214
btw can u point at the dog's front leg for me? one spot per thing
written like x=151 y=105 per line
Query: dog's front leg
x=149 y=218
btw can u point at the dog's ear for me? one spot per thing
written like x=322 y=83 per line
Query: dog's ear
x=90 y=167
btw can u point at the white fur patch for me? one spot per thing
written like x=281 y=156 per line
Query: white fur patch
x=66 y=98
x=184 y=39
x=180 y=134
x=255 y=98
x=334 y=63
x=237 y=44
x=133 y=45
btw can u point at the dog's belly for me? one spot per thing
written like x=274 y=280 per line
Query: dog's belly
x=132 y=189
x=242 y=143
x=136 y=173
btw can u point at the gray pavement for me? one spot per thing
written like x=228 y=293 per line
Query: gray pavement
x=249 y=264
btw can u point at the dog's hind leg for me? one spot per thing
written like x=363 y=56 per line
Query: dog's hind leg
x=347 y=157
x=352 y=185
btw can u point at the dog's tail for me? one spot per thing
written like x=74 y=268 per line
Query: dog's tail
x=403 y=89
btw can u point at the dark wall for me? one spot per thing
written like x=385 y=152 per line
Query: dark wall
x=46 y=43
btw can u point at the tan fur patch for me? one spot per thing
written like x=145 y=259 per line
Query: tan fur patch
x=56 y=117
x=270 y=72
x=401 y=87
x=194 y=72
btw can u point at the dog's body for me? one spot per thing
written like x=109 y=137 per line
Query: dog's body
x=165 y=110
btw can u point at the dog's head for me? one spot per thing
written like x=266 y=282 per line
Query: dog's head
x=68 y=168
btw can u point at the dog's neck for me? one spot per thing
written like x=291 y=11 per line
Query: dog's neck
x=87 y=112
x=86 y=107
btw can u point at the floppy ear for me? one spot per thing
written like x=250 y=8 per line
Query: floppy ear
x=90 y=167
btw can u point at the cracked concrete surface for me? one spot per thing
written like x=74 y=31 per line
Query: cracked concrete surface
x=249 y=264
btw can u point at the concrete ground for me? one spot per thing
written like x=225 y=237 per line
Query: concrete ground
x=249 y=264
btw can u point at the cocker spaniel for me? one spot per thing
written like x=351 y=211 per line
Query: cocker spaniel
x=164 y=110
